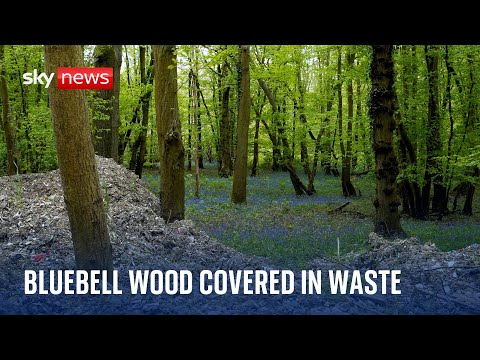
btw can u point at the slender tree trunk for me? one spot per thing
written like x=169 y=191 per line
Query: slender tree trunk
x=433 y=171
x=189 y=120
x=281 y=127
x=138 y=142
x=104 y=57
x=326 y=148
x=145 y=113
x=411 y=192
x=340 y=105
x=347 y=186
x=359 y=128
x=219 y=114
x=255 y=147
x=387 y=216
x=303 y=135
x=127 y=66
x=78 y=171
x=258 y=113
x=12 y=161
x=29 y=157
x=294 y=130
x=142 y=105
x=209 y=153
x=325 y=144
x=470 y=127
x=276 y=153
x=136 y=118
x=415 y=197
x=448 y=99
x=199 y=125
x=116 y=101
x=196 y=119
x=38 y=92
x=239 y=188
x=172 y=152
x=226 y=157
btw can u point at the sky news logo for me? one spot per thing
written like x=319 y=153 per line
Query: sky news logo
x=73 y=78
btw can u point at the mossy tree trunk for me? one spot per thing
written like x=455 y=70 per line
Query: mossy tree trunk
x=239 y=188
x=170 y=145
x=387 y=216
x=78 y=171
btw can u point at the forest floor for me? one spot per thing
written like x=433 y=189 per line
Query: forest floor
x=293 y=230
x=35 y=235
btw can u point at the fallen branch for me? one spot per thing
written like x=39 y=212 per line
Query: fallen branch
x=339 y=208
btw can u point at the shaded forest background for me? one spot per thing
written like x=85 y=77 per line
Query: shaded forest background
x=309 y=117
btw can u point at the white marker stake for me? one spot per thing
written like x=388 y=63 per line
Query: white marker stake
x=338 y=246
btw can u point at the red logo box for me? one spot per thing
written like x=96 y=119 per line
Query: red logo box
x=85 y=78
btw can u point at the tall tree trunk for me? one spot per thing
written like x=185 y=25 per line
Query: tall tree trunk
x=136 y=118
x=276 y=153
x=138 y=142
x=281 y=128
x=12 y=159
x=294 y=129
x=145 y=113
x=414 y=192
x=196 y=119
x=470 y=127
x=170 y=145
x=38 y=92
x=116 y=101
x=359 y=127
x=347 y=186
x=448 y=99
x=411 y=192
x=433 y=171
x=104 y=57
x=78 y=171
x=208 y=152
x=258 y=113
x=326 y=149
x=29 y=162
x=226 y=157
x=199 y=125
x=387 y=216
x=303 y=135
x=137 y=159
x=239 y=188
x=189 y=120
x=255 y=147
x=219 y=114
x=127 y=66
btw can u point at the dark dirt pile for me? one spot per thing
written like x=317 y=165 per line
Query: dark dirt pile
x=35 y=235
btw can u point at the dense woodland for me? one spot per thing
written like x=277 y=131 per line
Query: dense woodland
x=408 y=114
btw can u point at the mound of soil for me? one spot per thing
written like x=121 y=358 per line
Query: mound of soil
x=35 y=235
